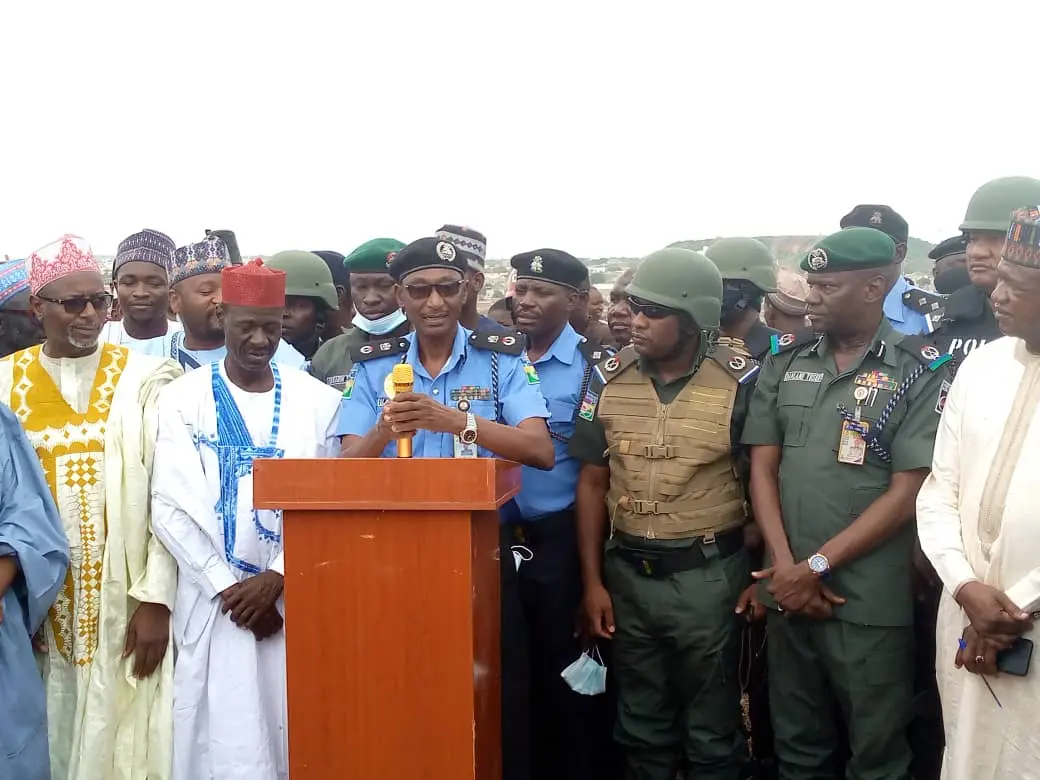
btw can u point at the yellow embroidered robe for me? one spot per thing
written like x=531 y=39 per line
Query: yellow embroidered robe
x=92 y=421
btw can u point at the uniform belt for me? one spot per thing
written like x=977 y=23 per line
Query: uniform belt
x=664 y=563
x=641 y=506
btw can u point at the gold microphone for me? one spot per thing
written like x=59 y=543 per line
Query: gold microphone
x=403 y=379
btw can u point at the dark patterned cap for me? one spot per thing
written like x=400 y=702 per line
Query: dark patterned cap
x=426 y=253
x=472 y=244
x=883 y=218
x=148 y=246
x=209 y=256
x=1022 y=246
x=551 y=265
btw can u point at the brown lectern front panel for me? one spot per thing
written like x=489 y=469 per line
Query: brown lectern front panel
x=392 y=644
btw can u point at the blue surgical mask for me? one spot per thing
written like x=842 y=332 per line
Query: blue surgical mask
x=587 y=675
x=383 y=325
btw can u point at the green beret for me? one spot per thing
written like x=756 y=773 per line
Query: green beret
x=373 y=257
x=851 y=249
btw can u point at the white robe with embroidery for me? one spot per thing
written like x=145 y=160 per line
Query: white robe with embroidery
x=103 y=723
x=229 y=689
x=984 y=741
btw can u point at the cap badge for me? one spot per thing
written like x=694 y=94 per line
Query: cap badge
x=446 y=252
x=737 y=363
x=536 y=265
x=390 y=258
x=876 y=218
x=817 y=260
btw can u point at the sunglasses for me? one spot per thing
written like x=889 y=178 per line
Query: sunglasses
x=100 y=301
x=651 y=311
x=420 y=292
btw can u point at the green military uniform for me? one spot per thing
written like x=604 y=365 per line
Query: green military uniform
x=675 y=563
x=332 y=362
x=832 y=468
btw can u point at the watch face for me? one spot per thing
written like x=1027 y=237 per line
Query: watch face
x=468 y=436
x=818 y=564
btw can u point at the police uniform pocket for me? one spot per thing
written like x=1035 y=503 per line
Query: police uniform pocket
x=795 y=404
x=561 y=417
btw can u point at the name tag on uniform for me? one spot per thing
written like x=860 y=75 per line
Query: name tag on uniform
x=803 y=376
x=464 y=450
x=852 y=448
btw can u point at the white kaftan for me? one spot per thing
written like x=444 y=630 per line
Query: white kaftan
x=114 y=332
x=229 y=689
x=966 y=542
x=92 y=421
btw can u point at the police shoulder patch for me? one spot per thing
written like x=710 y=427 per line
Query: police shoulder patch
x=607 y=369
x=784 y=342
x=740 y=365
x=594 y=353
x=378 y=349
x=923 y=302
x=508 y=343
x=924 y=351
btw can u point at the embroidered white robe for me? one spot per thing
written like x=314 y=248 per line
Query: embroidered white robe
x=984 y=741
x=229 y=689
x=103 y=723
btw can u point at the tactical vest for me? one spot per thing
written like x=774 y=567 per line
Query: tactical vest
x=671 y=465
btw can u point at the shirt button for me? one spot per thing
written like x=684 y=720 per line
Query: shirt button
x=436 y=391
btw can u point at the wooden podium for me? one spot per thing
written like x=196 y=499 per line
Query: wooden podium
x=392 y=614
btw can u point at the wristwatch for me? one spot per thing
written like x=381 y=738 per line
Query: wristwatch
x=469 y=433
x=820 y=566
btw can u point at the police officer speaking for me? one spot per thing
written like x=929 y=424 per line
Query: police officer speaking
x=656 y=432
x=570 y=731
x=848 y=419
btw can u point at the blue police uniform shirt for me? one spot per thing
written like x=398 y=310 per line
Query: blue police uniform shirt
x=903 y=318
x=467 y=374
x=562 y=373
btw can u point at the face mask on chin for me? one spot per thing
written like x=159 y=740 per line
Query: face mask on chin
x=383 y=325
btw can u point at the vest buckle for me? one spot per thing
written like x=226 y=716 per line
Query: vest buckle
x=708 y=538
x=643 y=507
x=658 y=451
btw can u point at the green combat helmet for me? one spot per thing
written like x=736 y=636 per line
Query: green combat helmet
x=745 y=258
x=306 y=276
x=991 y=206
x=684 y=280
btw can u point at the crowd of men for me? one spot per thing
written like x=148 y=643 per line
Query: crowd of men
x=793 y=546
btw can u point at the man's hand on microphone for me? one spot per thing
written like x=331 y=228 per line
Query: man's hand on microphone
x=410 y=412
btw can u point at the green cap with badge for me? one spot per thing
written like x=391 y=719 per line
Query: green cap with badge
x=851 y=249
x=991 y=206
x=745 y=258
x=373 y=257
x=683 y=280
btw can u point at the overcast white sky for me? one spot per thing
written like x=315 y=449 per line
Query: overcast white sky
x=562 y=124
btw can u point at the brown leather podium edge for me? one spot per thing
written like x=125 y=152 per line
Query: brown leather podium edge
x=392 y=614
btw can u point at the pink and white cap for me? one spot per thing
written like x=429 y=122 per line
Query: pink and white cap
x=68 y=255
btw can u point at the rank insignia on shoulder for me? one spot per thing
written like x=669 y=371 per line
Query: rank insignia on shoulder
x=781 y=342
x=742 y=367
x=506 y=343
x=593 y=353
x=923 y=302
x=378 y=349
x=925 y=352
x=615 y=364
x=587 y=410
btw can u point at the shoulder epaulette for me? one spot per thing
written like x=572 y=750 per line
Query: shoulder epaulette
x=784 y=342
x=924 y=351
x=378 y=349
x=615 y=364
x=743 y=367
x=737 y=345
x=508 y=343
x=594 y=353
x=922 y=301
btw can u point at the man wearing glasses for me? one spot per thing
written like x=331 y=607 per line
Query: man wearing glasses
x=657 y=434
x=90 y=412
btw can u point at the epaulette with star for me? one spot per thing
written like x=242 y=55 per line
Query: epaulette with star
x=508 y=343
x=784 y=342
x=594 y=353
x=742 y=367
x=924 y=302
x=924 y=351
x=378 y=349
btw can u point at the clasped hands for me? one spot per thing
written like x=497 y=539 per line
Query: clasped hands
x=797 y=590
x=411 y=412
x=251 y=603
x=995 y=623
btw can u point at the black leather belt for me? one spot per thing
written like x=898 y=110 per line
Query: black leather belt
x=664 y=563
